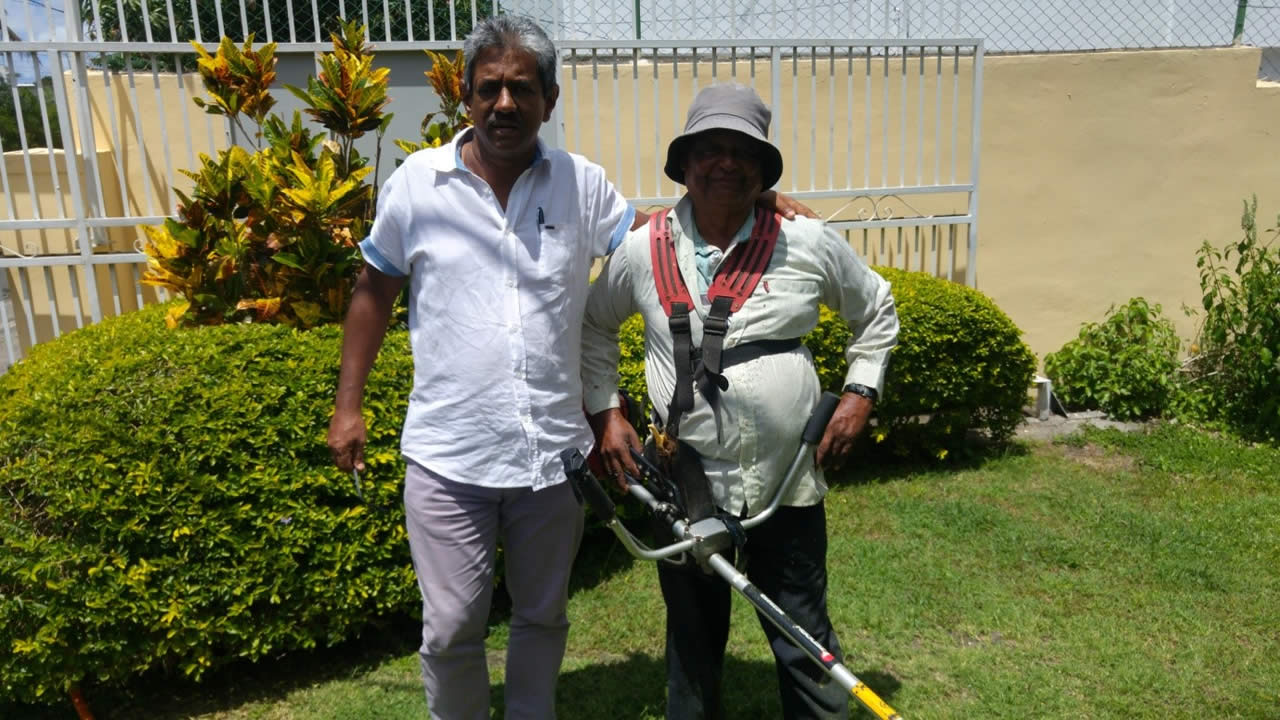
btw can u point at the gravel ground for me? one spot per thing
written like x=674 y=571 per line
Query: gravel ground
x=1056 y=425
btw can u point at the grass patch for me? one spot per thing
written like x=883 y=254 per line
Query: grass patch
x=1107 y=575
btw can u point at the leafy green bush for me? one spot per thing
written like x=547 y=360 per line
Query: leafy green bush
x=170 y=504
x=1126 y=366
x=960 y=366
x=1237 y=369
x=631 y=359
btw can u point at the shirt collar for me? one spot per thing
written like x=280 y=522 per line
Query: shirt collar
x=452 y=160
x=682 y=224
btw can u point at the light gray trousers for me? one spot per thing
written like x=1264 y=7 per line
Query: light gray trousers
x=454 y=529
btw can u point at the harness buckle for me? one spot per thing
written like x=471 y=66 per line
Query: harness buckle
x=717 y=323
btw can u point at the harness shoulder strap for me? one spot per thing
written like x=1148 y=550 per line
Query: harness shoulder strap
x=666 y=270
x=737 y=279
x=733 y=284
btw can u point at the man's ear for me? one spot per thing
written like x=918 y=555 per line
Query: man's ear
x=551 y=103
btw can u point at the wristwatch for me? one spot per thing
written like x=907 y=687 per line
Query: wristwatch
x=863 y=390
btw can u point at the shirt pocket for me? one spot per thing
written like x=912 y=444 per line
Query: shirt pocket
x=784 y=307
x=788 y=292
x=558 y=248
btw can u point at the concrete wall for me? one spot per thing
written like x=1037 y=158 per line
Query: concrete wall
x=1103 y=173
x=54 y=298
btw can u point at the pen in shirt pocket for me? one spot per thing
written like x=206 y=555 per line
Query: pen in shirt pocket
x=542 y=221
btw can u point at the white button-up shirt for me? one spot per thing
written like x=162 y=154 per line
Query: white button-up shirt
x=495 y=308
x=769 y=398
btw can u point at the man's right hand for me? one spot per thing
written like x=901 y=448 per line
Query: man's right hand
x=346 y=440
x=616 y=439
x=362 y=331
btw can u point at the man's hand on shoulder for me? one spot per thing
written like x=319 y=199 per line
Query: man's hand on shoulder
x=785 y=205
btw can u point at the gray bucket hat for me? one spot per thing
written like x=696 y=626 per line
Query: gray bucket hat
x=727 y=106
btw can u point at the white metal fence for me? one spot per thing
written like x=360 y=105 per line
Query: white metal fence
x=881 y=134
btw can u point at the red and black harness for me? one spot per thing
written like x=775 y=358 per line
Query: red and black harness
x=736 y=280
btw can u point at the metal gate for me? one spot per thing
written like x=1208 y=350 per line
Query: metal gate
x=880 y=135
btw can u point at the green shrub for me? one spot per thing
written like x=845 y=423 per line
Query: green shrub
x=1237 y=368
x=1126 y=366
x=170 y=504
x=631 y=360
x=960 y=366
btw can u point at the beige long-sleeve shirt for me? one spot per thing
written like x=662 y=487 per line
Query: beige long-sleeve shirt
x=769 y=398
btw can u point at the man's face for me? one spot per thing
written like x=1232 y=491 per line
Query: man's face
x=506 y=102
x=721 y=168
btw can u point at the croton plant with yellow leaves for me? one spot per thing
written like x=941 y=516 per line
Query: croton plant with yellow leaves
x=445 y=77
x=270 y=235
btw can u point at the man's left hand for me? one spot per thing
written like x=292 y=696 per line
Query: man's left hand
x=785 y=205
x=848 y=422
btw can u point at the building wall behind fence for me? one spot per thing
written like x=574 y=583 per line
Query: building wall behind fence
x=1101 y=173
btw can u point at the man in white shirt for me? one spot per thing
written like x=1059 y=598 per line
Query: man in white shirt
x=745 y=418
x=495 y=234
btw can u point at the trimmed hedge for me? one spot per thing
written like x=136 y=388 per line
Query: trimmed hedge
x=170 y=502
x=960 y=367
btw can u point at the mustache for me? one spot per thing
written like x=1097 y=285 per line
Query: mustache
x=503 y=122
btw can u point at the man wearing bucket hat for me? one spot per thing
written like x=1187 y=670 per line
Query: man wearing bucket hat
x=747 y=286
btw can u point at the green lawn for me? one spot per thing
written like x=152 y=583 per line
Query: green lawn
x=1112 y=575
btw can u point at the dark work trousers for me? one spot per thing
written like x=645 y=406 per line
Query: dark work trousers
x=786 y=558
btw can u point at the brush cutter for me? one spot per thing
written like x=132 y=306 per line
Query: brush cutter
x=705 y=539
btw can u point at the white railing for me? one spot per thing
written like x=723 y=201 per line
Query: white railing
x=880 y=135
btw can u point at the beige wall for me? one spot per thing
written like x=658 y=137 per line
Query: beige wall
x=36 y=291
x=158 y=111
x=1102 y=173
x=127 y=113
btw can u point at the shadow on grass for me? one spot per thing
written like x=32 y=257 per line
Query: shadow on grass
x=869 y=464
x=158 y=697
x=635 y=689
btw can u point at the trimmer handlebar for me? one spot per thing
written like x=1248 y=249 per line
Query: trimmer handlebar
x=818 y=419
x=588 y=488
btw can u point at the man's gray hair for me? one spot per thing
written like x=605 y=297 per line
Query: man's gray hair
x=514 y=32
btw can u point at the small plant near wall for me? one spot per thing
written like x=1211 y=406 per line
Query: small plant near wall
x=1235 y=367
x=445 y=77
x=270 y=235
x=1126 y=366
